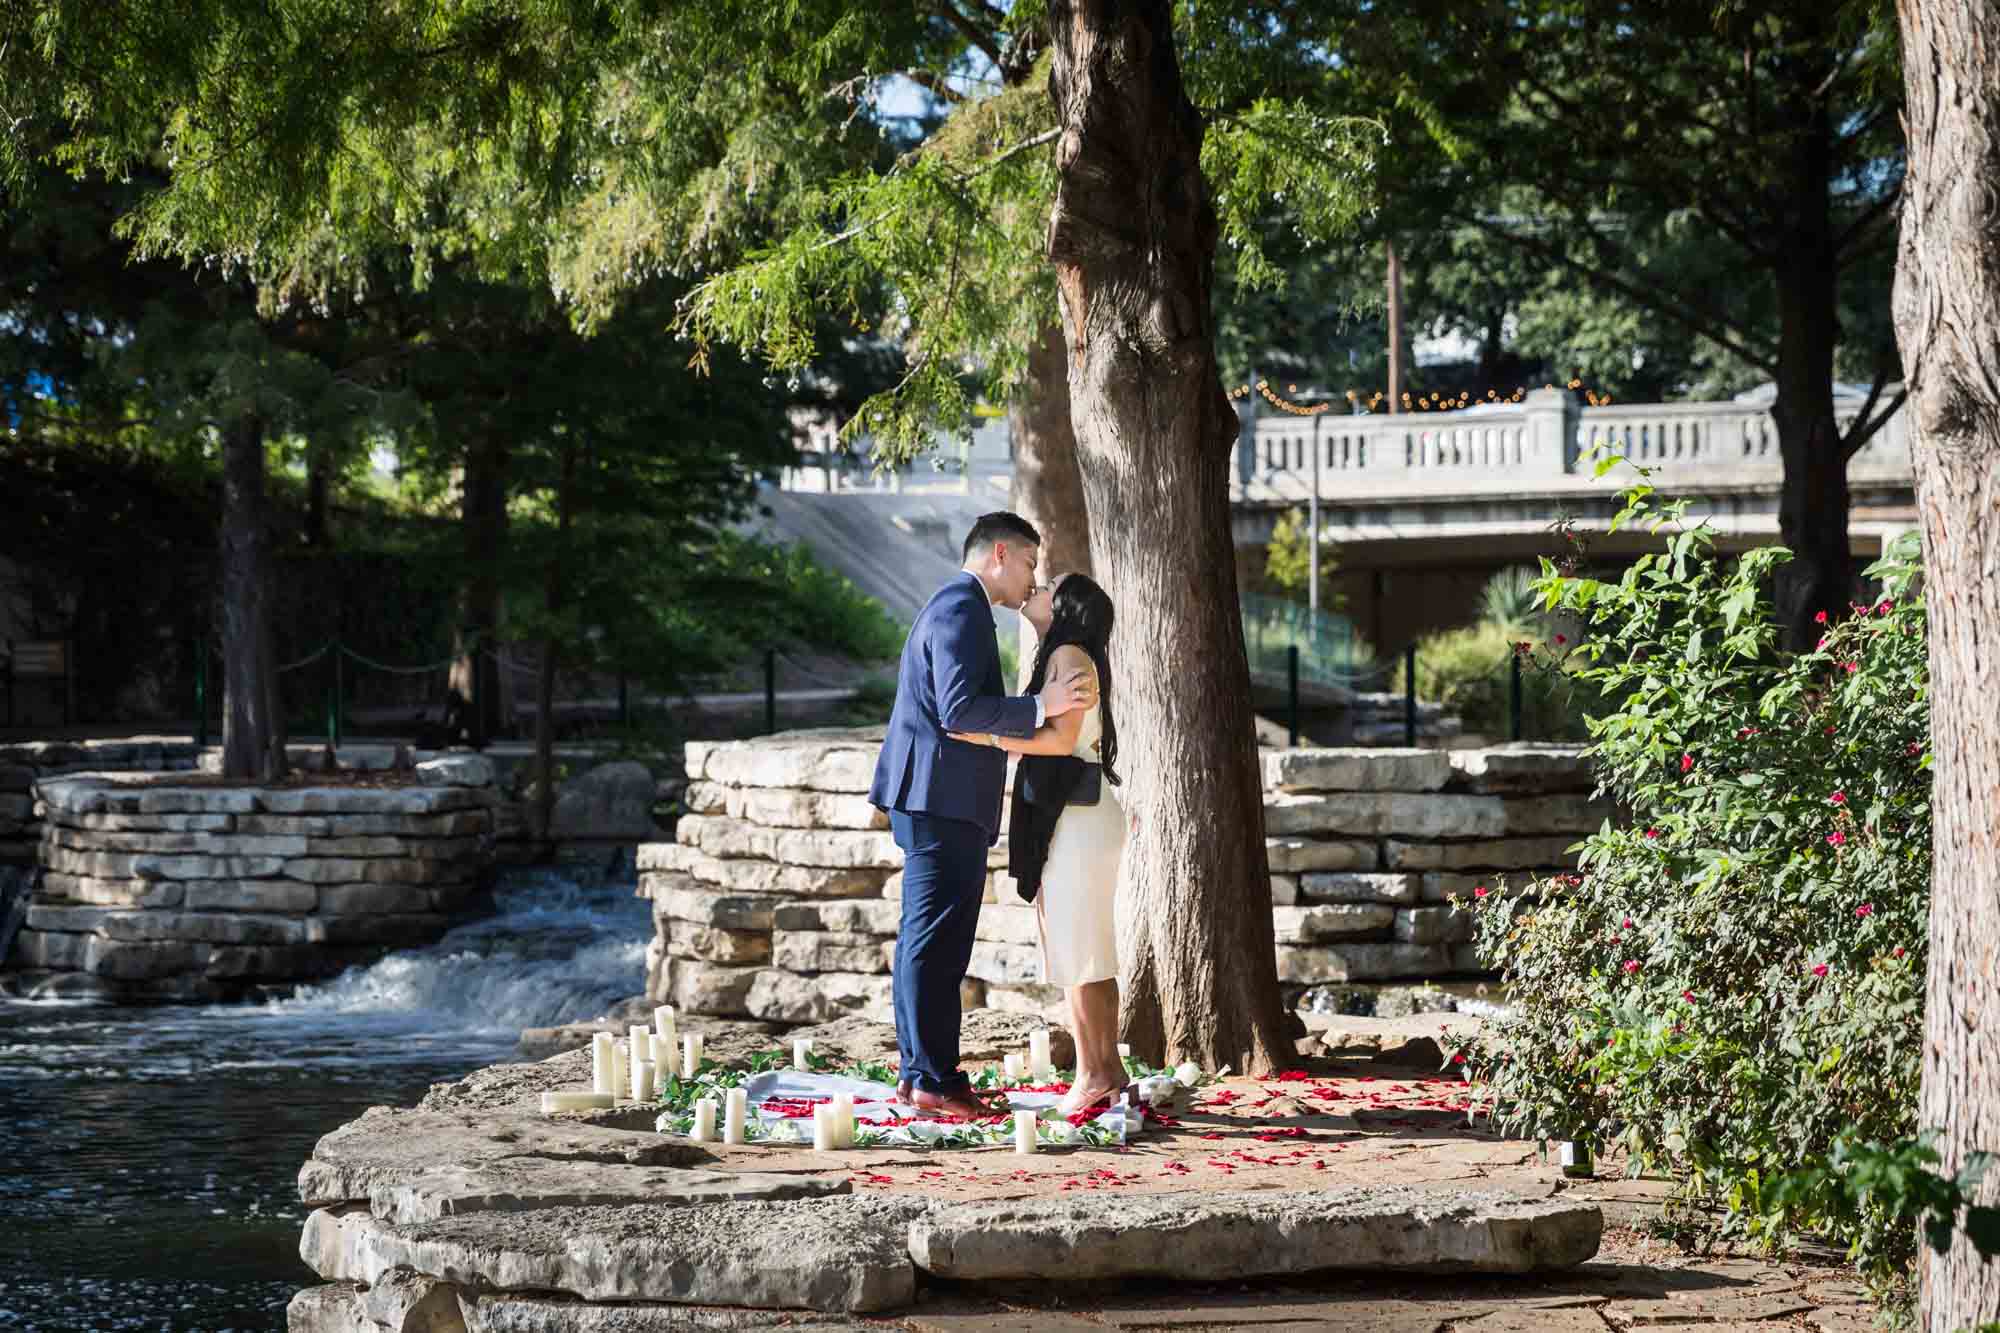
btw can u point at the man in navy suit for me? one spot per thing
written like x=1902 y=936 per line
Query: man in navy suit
x=943 y=796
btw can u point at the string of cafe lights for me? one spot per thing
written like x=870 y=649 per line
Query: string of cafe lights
x=1428 y=402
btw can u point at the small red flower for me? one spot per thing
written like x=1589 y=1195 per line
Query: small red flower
x=1746 y=733
x=1829 y=731
x=1866 y=909
x=1479 y=890
x=1850 y=667
x=1819 y=618
x=1913 y=747
x=1627 y=925
x=1687 y=762
x=1838 y=798
x=1882 y=607
x=1652 y=833
x=1631 y=967
x=1898 y=952
x=1837 y=838
x=1688 y=995
x=1459 y=1058
x=1821 y=969
x=1822 y=642
x=1561 y=640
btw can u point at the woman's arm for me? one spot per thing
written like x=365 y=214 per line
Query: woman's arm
x=1058 y=735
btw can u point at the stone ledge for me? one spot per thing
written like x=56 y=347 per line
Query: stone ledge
x=1234 y=1235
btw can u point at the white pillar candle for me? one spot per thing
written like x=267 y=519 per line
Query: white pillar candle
x=663 y=1022
x=690 y=1054
x=640 y=1050
x=662 y=1053
x=801 y=1053
x=704 y=1120
x=576 y=1101
x=1124 y=1051
x=843 y=1118
x=1012 y=1064
x=621 y=1070
x=1024 y=1131
x=602 y=1063
x=1039 y=1063
x=735 y=1107
x=642 y=1080
x=825 y=1133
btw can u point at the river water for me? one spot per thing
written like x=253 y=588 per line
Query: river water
x=148 y=1155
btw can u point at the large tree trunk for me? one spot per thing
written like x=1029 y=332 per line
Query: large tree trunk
x=1947 y=311
x=1812 y=504
x=1132 y=235
x=476 y=675
x=1048 y=485
x=252 y=739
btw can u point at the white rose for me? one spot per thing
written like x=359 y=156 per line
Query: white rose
x=1188 y=1074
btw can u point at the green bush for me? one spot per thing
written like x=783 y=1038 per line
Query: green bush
x=1734 y=982
x=1469 y=671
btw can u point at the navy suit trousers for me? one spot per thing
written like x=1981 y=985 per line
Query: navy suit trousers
x=944 y=878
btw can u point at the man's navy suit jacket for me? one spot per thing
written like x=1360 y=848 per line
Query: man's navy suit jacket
x=950 y=680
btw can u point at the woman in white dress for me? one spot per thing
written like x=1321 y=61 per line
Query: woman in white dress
x=1079 y=875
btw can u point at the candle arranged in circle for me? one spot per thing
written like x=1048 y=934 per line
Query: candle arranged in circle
x=802 y=1053
x=1012 y=1064
x=1039 y=1063
x=735 y=1109
x=641 y=1051
x=704 y=1120
x=690 y=1054
x=642 y=1080
x=575 y=1101
x=825 y=1132
x=1024 y=1131
x=843 y=1118
x=621 y=1069
x=603 y=1063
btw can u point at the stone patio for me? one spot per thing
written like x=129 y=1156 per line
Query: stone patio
x=475 y=1211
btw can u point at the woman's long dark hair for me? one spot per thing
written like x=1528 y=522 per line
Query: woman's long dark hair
x=1082 y=615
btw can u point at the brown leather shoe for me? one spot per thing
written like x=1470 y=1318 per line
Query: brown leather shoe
x=960 y=1105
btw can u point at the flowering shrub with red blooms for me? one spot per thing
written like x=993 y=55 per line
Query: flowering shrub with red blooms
x=1707 y=995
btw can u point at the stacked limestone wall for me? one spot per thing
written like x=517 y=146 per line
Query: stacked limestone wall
x=21 y=766
x=779 y=899
x=157 y=889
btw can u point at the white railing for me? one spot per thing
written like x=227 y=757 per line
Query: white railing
x=1541 y=442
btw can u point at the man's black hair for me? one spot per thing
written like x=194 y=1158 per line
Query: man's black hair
x=1001 y=526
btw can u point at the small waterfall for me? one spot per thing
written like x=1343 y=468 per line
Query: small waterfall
x=564 y=944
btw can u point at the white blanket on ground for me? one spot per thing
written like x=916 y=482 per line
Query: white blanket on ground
x=875 y=1104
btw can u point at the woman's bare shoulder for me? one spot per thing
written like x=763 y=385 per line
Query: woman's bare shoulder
x=1069 y=655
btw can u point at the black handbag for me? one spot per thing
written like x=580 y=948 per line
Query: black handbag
x=1077 y=781
x=1089 y=788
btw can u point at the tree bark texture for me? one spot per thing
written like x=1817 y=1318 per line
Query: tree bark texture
x=1048 y=485
x=1132 y=235
x=1812 y=499
x=252 y=740
x=1394 y=398
x=483 y=525
x=1947 y=309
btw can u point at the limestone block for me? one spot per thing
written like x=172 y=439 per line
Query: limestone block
x=403 y=930
x=775 y=763
x=779 y=808
x=268 y=962
x=141 y=960
x=685 y=898
x=457 y=770
x=1007 y=964
x=333 y=1307
x=398 y=870
x=829 y=951
x=709 y=944
x=1285 y=890
x=1433 y=925
x=1048 y=1003
x=1292 y=855
x=327 y=869
x=839 y=848
x=373 y=800
x=785 y=997
x=710 y=988
x=613 y=800
x=203 y=866
x=111 y=892
x=357 y=845
x=19 y=806
x=1357 y=770
x=1000 y=888
x=47 y=950
x=1360 y=962
x=763 y=876
x=454 y=824
x=1330 y=921
x=1569 y=812
x=854 y=916
x=1368 y=888
x=406 y=1302
x=844 y=1253
x=364 y=899
x=155 y=823
x=1524 y=767
x=1240 y=1234
x=1009 y=923
x=88 y=840
x=1410 y=815
x=88 y=865
x=520 y=1184
x=1494 y=853
x=1465 y=958
x=186 y=800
